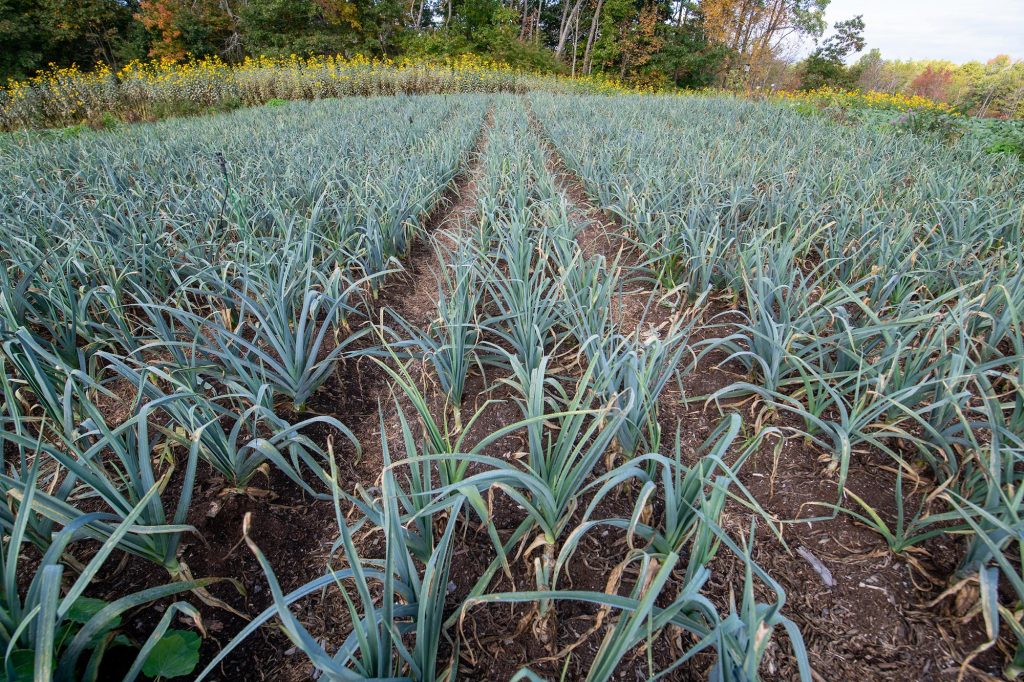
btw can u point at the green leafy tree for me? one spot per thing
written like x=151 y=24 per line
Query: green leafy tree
x=686 y=58
x=381 y=27
x=607 y=50
x=278 y=26
x=34 y=33
x=90 y=31
x=826 y=65
x=484 y=27
x=23 y=39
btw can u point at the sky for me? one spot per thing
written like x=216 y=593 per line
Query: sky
x=957 y=30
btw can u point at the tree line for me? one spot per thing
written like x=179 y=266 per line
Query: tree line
x=663 y=43
x=991 y=88
x=686 y=43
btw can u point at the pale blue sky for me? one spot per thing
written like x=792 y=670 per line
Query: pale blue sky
x=958 y=30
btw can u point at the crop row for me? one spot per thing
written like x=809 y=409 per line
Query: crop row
x=512 y=299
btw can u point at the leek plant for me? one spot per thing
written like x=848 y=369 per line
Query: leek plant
x=903 y=534
x=525 y=297
x=632 y=371
x=396 y=608
x=256 y=436
x=640 y=619
x=55 y=632
x=589 y=298
x=695 y=258
x=224 y=268
x=413 y=499
x=49 y=379
x=739 y=640
x=998 y=537
x=564 y=448
x=279 y=332
x=118 y=465
x=989 y=488
x=777 y=324
x=692 y=497
x=450 y=342
x=22 y=469
x=449 y=448
x=63 y=310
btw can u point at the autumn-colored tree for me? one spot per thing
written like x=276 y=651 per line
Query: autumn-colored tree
x=639 y=40
x=755 y=31
x=160 y=18
x=191 y=27
x=719 y=19
x=932 y=83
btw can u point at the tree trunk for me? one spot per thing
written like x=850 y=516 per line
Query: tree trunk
x=588 y=57
x=985 y=102
x=740 y=26
x=776 y=22
x=683 y=18
x=567 y=22
x=575 y=40
x=234 y=47
x=565 y=15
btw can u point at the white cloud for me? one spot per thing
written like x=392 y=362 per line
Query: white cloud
x=957 y=30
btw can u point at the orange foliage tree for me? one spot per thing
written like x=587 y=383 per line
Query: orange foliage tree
x=160 y=17
x=640 y=40
x=933 y=84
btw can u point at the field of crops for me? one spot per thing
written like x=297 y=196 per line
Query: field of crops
x=496 y=386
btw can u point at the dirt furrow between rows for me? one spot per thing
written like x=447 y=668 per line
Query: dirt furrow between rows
x=414 y=297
